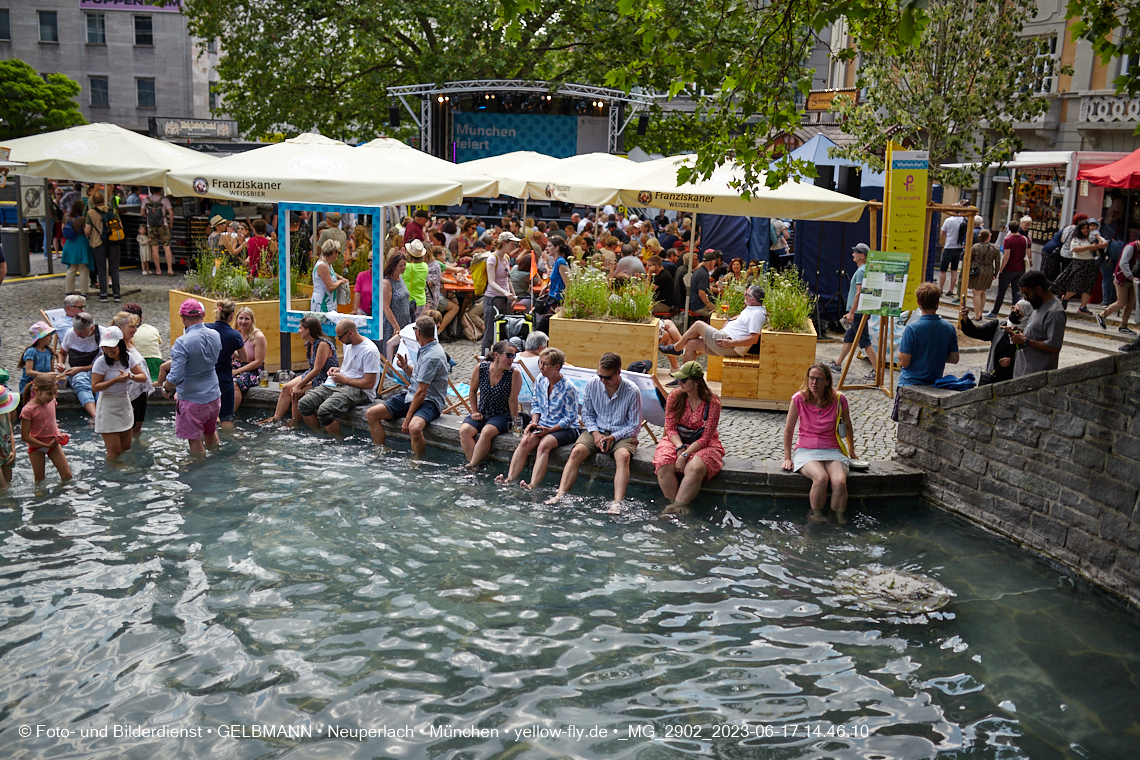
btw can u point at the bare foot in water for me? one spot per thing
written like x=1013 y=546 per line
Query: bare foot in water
x=677 y=508
x=615 y=508
x=554 y=499
x=524 y=485
x=501 y=479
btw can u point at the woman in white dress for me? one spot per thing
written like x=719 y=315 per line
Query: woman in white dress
x=111 y=373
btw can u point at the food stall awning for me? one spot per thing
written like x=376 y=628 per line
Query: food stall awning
x=1028 y=159
x=1123 y=174
x=310 y=168
x=101 y=153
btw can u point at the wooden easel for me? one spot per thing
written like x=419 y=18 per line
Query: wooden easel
x=885 y=355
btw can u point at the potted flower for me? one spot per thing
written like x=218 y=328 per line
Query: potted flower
x=598 y=316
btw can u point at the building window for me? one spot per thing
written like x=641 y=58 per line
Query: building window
x=49 y=26
x=5 y=25
x=1044 y=64
x=213 y=96
x=96 y=29
x=100 y=92
x=145 y=90
x=144 y=31
x=212 y=46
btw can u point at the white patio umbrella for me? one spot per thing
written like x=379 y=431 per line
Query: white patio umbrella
x=310 y=168
x=654 y=183
x=11 y=164
x=405 y=158
x=504 y=167
x=583 y=179
x=101 y=153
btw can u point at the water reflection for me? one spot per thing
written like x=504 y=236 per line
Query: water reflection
x=293 y=581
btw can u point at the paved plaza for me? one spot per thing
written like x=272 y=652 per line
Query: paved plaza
x=745 y=433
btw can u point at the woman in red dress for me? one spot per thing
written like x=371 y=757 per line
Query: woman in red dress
x=691 y=452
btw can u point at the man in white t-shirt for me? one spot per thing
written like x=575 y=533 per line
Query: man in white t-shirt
x=953 y=240
x=350 y=385
x=737 y=338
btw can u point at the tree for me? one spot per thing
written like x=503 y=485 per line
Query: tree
x=31 y=104
x=312 y=64
x=746 y=65
x=970 y=78
x=1097 y=22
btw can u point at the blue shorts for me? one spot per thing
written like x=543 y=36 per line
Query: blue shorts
x=398 y=407
x=80 y=382
x=501 y=422
x=864 y=339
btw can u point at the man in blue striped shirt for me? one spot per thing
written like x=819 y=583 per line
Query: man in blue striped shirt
x=611 y=412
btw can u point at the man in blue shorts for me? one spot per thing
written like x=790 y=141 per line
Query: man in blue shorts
x=427 y=391
x=928 y=344
x=859 y=254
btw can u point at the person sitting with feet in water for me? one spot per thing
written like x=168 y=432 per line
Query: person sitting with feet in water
x=494 y=396
x=348 y=386
x=690 y=453
x=553 y=420
x=611 y=412
x=427 y=392
x=818 y=453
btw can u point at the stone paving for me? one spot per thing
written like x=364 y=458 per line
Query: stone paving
x=748 y=434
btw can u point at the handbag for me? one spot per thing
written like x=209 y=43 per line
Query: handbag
x=840 y=428
x=689 y=435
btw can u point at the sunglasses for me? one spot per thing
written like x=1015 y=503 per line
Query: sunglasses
x=607 y=378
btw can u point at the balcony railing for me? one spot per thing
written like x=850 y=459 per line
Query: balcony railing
x=1110 y=110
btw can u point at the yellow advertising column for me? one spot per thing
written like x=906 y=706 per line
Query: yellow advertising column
x=904 y=213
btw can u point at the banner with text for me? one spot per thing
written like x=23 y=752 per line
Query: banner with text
x=904 y=219
x=480 y=135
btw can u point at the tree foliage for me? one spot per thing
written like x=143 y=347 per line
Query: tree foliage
x=31 y=104
x=749 y=59
x=314 y=64
x=1098 y=22
x=958 y=93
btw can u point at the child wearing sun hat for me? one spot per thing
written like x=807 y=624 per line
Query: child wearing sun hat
x=38 y=358
x=8 y=403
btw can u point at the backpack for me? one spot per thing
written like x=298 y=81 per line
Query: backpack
x=1067 y=236
x=112 y=227
x=962 y=232
x=479 y=272
x=68 y=231
x=154 y=213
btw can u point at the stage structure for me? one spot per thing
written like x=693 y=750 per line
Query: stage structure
x=512 y=98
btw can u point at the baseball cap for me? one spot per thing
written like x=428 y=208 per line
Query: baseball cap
x=192 y=307
x=111 y=337
x=508 y=237
x=710 y=255
x=862 y=248
x=421 y=213
x=689 y=369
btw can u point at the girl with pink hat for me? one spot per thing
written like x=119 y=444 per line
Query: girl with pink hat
x=39 y=357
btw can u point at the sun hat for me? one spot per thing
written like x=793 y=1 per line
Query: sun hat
x=39 y=330
x=111 y=337
x=508 y=237
x=217 y=219
x=192 y=307
x=689 y=369
x=8 y=400
x=862 y=248
x=415 y=249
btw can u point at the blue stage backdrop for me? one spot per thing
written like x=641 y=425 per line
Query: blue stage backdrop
x=479 y=135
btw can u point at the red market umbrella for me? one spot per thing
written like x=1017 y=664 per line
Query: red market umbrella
x=1124 y=173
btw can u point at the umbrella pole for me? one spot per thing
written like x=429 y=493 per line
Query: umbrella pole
x=692 y=268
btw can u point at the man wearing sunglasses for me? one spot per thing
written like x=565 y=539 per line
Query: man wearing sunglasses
x=348 y=386
x=426 y=397
x=611 y=411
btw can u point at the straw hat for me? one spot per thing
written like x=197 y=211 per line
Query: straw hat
x=415 y=249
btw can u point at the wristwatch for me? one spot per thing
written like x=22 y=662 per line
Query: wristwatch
x=683 y=454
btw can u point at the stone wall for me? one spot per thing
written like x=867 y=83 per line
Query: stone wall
x=1051 y=460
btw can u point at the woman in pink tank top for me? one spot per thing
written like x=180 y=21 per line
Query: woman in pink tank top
x=815 y=407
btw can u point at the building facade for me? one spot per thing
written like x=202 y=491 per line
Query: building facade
x=132 y=60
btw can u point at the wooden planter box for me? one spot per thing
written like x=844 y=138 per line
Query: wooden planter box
x=714 y=370
x=266 y=314
x=769 y=379
x=585 y=340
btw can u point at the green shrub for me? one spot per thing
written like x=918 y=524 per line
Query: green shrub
x=788 y=301
x=730 y=302
x=590 y=295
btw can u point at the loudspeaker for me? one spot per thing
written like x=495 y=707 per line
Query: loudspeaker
x=394 y=116
x=850 y=180
x=642 y=124
x=826 y=177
